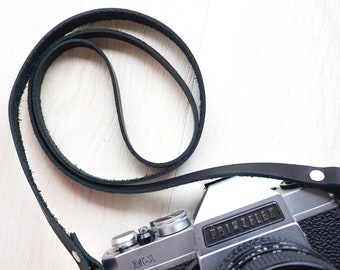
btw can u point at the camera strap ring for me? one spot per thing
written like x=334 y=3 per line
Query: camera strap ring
x=67 y=35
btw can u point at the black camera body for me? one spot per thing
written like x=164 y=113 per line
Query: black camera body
x=236 y=226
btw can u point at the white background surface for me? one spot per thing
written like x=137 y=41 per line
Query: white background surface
x=271 y=72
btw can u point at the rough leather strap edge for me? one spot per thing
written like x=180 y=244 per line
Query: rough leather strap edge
x=26 y=75
x=80 y=39
x=57 y=41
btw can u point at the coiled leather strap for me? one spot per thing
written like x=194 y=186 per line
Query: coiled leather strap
x=66 y=36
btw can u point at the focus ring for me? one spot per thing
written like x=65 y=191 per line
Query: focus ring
x=273 y=253
x=288 y=260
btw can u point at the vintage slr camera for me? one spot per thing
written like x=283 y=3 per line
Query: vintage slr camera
x=238 y=227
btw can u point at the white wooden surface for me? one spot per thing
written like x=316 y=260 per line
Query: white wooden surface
x=271 y=71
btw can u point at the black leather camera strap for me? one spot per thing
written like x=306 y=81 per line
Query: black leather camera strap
x=68 y=35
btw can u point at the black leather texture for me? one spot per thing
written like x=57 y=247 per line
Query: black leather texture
x=191 y=265
x=323 y=233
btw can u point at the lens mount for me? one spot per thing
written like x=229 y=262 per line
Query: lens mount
x=274 y=254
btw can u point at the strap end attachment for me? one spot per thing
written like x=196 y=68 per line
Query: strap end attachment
x=81 y=257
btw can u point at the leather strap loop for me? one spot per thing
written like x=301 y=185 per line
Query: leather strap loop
x=61 y=38
x=66 y=36
x=79 y=39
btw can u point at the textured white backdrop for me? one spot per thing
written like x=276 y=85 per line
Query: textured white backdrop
x=271 y=71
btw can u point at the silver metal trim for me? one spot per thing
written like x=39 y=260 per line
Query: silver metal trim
x=124 y=240
x=171 y=223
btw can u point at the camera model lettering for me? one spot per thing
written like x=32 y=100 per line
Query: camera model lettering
x=226 y=230
x=234 y=226
x=142 y=262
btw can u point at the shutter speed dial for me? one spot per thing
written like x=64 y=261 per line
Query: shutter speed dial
x=164 y=226
x=124 y=241
x=171 y=223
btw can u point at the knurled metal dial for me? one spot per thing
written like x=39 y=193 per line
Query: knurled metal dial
x=124 y=240
x=171 y=223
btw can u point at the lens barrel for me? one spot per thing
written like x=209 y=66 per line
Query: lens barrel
x=274 y=254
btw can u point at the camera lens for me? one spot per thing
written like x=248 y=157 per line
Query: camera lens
x=274 y=254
